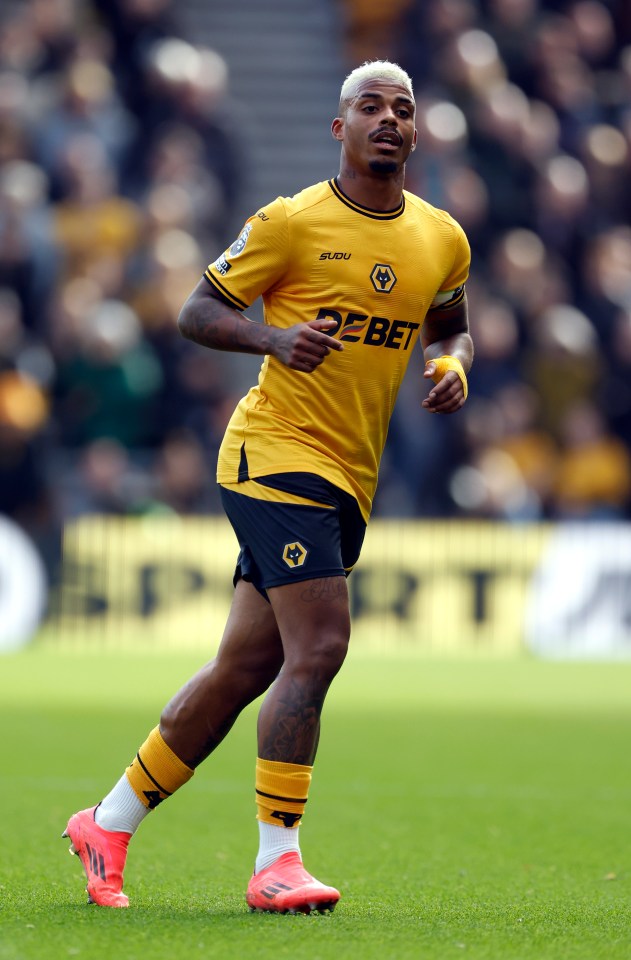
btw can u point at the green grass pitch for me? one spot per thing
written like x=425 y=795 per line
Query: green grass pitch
x=464 y=809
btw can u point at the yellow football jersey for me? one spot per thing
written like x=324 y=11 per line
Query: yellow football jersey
x=320 y=255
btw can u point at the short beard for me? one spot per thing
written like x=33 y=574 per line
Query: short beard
x=383 y=167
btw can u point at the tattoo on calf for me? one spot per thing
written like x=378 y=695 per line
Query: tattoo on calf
x=293 y=731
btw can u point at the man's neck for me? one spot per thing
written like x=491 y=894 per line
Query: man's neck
x=375 y=191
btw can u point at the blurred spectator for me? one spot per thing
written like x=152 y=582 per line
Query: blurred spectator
x=605 y=279
x=513 y=25
x=424 y=33
x=562 y=213
x=14 y=105
x=183 y=479
x=83 y=103
x=20 y=350
x=92 y=222
x=134 y=26
x=371 y=30
x=563 y=364
x=489 y=483
x=28 y=257
x=177 y=159
x=595 y=31
x=593 y=480
x=23 y=414
x=605 y=155
x=108 y=386
x=187 y=132
x=527 y=276
x=194 y=380
x=26 y=491
x=527 y=443
x=615 y=393
x=101 y=485
x=495 y=329
x=414 y=456
x=53 y=22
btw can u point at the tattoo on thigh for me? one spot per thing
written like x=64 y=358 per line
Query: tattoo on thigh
x=326 y=588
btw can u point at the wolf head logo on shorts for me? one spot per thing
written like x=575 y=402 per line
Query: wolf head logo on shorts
x=294 y=554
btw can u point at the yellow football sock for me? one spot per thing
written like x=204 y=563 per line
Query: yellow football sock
x=281 y=792
x=156 y=772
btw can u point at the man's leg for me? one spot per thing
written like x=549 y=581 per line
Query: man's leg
x=249 y=658
x=192 y=724
x=314 y=622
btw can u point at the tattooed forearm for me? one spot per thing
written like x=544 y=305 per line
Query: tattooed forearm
x=211 y=323
x=227 y=330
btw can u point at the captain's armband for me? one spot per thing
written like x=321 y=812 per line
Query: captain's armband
x=446 y=299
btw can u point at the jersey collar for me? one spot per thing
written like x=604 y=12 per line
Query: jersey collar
x=366 y=211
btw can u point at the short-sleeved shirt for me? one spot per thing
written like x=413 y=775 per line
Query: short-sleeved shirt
x=320 y=255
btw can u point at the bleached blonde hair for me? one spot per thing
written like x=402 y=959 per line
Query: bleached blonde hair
x=374 y=70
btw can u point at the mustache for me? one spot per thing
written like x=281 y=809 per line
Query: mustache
x=389 y=130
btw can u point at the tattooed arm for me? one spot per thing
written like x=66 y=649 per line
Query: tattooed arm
x=209 y=321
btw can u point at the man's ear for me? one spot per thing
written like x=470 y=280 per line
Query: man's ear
x=337 y=128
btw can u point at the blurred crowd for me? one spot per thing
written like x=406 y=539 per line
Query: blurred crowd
x=524 y=118
x=120 y=171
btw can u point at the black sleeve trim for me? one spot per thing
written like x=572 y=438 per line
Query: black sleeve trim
x=223 y=295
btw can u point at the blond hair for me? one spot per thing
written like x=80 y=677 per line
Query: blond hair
x=374 y=70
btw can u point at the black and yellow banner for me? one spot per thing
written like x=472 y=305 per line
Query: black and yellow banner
x=447 y=588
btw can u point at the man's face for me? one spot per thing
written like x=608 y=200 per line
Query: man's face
x=377 y=127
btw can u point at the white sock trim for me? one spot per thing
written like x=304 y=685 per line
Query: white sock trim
x=121 y=810
x=273 y=843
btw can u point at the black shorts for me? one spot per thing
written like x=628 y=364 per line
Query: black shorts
x=287 y=542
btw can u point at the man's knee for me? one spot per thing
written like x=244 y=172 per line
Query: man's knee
x=321 y=654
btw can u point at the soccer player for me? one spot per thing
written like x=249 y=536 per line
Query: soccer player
x=352 y=271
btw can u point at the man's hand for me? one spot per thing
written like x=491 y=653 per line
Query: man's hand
x=447 y=396
x=208 y=320
x=304 y=346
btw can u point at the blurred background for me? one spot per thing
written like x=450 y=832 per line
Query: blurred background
x=135 y=138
